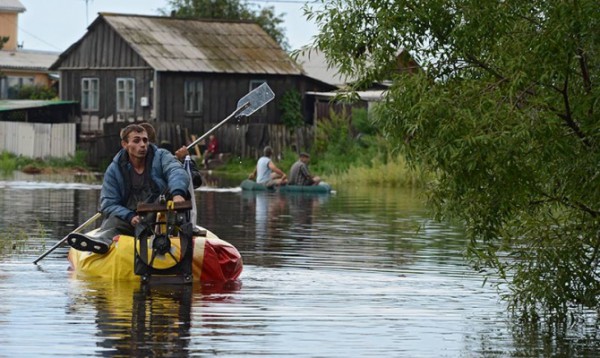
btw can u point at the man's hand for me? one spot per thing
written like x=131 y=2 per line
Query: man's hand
x=178 y=199
x=135 y=220
x=181 y=153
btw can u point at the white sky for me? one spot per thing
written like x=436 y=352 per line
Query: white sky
x=54 y=25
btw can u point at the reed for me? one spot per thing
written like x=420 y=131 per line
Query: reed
x=391 y=173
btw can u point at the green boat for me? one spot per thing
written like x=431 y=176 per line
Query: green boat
x=251 y=185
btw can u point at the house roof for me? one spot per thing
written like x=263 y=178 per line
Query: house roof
x=30 y=60
x=11 y=6
x=11 y=105
x=197 y=45
x=315 y=65
x=368 y=96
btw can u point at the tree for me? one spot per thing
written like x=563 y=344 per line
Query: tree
x=506 y=114
x=231 y=10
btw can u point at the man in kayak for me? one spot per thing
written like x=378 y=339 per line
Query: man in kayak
x=138 y=173
x=299 y=173
x=266 y=172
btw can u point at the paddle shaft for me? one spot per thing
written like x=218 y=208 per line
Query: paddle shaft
x=81 y=227
x=238 y=110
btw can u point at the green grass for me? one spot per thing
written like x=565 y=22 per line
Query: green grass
x=10 y=162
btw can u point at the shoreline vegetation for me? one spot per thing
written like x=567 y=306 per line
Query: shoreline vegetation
x=345 y=152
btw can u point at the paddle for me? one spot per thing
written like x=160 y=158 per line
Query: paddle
x=81 y=227
x=246 y=106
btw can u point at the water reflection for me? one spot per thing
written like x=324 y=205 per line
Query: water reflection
x=141 y=320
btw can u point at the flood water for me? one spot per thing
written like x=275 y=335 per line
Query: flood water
x=358 y=273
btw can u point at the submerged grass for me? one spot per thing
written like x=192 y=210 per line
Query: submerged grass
x=13 y=241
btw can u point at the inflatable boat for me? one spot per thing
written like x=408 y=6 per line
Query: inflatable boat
x=251 y=185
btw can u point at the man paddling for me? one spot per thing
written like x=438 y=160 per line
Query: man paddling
x=138 y=173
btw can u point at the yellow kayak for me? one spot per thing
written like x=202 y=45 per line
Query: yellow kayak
x=214 y=260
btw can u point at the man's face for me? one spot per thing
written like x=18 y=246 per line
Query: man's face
x=136 y=144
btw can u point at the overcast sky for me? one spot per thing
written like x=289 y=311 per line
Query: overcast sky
x=54 y=25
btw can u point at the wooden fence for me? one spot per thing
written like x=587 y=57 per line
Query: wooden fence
x=38 y=140
x=237 y=140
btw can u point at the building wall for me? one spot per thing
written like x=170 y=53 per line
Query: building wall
x=91 y=121
x=8 y=27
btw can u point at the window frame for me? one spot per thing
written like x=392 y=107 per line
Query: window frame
x=90 y=97
x=125 y=96
x=193 y=96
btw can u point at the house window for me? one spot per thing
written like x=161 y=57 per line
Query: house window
x=90 y=94
x=14 y=85
x=254 y=84
x=125 y=94
x=193 y=96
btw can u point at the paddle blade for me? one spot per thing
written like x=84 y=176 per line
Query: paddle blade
x=255 y=99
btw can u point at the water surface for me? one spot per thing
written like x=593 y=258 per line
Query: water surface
x=361 y=272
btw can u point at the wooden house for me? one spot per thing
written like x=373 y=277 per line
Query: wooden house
x=181 y=75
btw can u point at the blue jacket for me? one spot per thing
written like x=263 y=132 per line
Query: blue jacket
x=166 y=172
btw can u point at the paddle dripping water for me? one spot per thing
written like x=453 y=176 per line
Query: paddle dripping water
x=363 y=272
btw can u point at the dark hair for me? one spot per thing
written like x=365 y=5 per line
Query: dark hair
x=150 y=130
x=131 y=128
x=305 y=155
x=268 y=151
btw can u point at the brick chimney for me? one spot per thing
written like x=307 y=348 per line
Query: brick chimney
x=9 y=22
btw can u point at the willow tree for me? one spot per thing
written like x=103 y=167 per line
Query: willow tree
x=505 y=112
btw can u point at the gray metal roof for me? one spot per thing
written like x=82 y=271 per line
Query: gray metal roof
x=27 y=59
x=315 y=66
x=18 y=104
x=11 y=6
x=191 y=45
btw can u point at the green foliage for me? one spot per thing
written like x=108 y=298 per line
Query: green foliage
x=231 y=10
x=291 y=109
x=362 y=123
x=37 y=92
x=10 y=162
x=506 y=114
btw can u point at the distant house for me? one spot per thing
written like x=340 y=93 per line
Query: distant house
x=20 y=67
x=32 y=128
x=184 y=72
x=315 y=66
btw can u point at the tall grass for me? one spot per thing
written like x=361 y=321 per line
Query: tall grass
x=393 y=173
x=349 y=149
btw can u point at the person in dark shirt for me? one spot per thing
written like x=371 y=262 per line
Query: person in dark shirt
x=299 y=173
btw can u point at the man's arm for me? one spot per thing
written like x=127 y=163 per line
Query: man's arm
x=274 y=168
